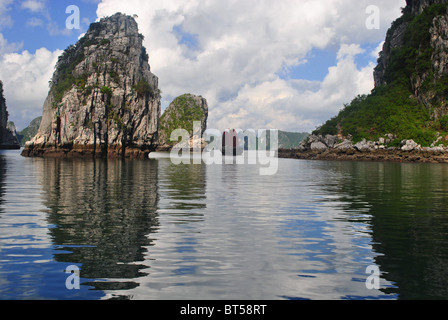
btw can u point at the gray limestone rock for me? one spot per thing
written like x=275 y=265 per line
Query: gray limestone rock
x=344 y=145
x=409 y=145
x=103 y=98
x=318 y=146
x=364 y=146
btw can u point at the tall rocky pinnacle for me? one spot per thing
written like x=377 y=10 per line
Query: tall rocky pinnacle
x=103 y=99
x=7 y=139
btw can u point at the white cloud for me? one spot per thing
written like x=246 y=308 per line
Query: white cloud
x=6 y=47
x=25 y=79
x=35 y=22
x=375 y=53
x=40 y=7
x=33 y=5
x=297 y=104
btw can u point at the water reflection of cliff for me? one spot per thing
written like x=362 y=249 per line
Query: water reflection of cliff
x=185 y=186
x=103 y=213
x=2 y=177
x=405 y=208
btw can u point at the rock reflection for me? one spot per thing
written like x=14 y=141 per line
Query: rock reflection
x=2 y=177
x=103 y=213
x=185 y=187
x=404 y=209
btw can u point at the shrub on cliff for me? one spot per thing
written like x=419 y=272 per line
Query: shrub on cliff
x=181 y=114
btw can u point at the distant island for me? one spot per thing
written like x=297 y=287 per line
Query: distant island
x=26 y=134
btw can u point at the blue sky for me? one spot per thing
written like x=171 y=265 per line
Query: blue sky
x=288 y=65
x=38 y=26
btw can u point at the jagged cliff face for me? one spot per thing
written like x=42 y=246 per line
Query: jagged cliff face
x=7 y=139
x=3 y=112
x=103 y=98
x=417 y=6
x=417 y=46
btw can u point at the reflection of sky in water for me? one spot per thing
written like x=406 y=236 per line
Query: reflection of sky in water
x=256 y=241
x=152 y=230
x=27 y=266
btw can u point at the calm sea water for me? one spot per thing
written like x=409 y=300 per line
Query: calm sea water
x=154 y=230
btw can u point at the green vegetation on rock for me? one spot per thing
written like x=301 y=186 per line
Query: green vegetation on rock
x=66 y=79
x=181 y=114
x=143 y=88
x=401 y=106
x=388 y=109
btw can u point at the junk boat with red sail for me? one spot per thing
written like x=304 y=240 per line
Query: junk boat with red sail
x=230 y=143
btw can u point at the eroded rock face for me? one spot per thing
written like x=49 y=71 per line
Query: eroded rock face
x=103 y=99
x=417 y=6
x=7 y=139
x=396 y=37
x=431 y=54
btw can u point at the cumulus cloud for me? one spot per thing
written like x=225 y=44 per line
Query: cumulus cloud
x=292 y=104
x=25 y=79
x=231 y=52
x=33 y=5
x=6 y=47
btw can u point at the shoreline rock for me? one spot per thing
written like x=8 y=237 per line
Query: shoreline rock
x=371 y=156
x=86 y=151
x=318 y=148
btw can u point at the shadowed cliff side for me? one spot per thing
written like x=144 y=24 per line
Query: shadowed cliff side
x=7 y=139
